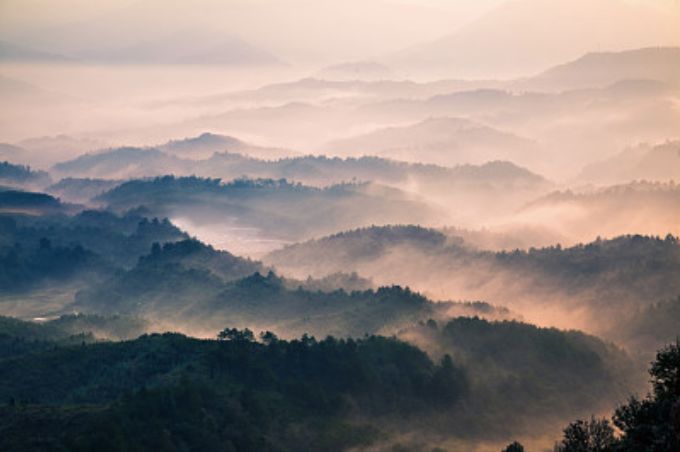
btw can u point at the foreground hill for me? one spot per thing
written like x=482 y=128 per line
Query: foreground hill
x=299 y=394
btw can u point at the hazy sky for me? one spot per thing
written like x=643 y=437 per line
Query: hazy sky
x=297 y=31
x=339 y=29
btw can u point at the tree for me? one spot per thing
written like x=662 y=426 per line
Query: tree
x=514 y=447
x=267 y=337
x=653 y=423
x=665 y=372
x=236 y=335
x=595 y=435
x=447 y=382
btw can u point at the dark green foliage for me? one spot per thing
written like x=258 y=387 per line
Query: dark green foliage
x=21 y=174
x=175 y=293
x=120 y=240
x=193 y=254
x=234 y=334
x=665 y=372
x=360 y=244
x=187 y=282
x=15 y=328
x=531 y=372
x=627 y=268
x=651 y=424
x=514 y=447
x=81 y=190
x=25 y=202
x=178 y=189
x=630 y=263
x=279 y=209
x=112 y=327
x=648 y=328
x=555 y=359
x=215 y=395
x=240 y=394
x=22 y=268
x=18 y=337
x=595 y=435
x=349 y=282
x=608 y=282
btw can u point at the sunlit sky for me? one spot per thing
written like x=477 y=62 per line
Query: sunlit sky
x=293 y=30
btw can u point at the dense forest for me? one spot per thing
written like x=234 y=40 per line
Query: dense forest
x=134 y=278
x=604 y=279
x=231 y=394
x=273 y=207
x=21 y=175
x=241 y=392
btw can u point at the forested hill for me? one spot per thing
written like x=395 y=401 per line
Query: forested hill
x=603 y=279
x=277 y=209
x=245 y=392
x=632 y=260
x=21 y=175
x=59 y=248
x=200 y=300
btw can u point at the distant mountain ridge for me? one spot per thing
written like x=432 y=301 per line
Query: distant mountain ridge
x=189 y=46
x=523 y=36
x=14 y=52
x=652 y=163
x=441 y=140
x=177 y=156
x=605 y=68
x=358 y=70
